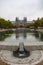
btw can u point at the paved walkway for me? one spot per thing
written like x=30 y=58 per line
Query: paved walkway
x=34 y=58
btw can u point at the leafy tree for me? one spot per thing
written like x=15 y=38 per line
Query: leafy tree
x=6 y=23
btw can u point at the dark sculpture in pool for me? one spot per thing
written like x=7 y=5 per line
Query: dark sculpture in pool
x=21 y=52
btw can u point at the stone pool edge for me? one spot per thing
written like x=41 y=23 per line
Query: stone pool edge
x=27 y=47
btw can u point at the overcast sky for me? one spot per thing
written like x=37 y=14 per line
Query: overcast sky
x=32 y=9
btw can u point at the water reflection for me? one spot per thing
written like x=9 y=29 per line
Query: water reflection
x=38 y=35
x=5 y=34
x=27 y=33
x=21 y=35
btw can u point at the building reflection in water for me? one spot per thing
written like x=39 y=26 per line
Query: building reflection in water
x=21 y=33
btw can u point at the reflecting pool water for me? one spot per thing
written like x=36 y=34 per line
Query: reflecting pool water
x=21 y=36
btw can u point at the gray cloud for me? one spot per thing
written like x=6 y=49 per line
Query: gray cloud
x=41 y=4
x=9 y=9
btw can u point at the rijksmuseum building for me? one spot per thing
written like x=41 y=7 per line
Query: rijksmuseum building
x=21 y=23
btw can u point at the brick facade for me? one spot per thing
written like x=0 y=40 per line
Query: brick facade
x=21 y=23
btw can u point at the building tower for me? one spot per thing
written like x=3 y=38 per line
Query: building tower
x=17 y=19
x=25 y=21
x=17 y=22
